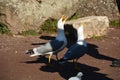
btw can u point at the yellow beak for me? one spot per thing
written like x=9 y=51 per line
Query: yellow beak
x=64 y=18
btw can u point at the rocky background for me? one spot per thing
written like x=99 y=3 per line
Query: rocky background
x=99 y=7
x=22 y=15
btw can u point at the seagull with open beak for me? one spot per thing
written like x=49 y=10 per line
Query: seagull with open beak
x=53 y=46
x=78 y=49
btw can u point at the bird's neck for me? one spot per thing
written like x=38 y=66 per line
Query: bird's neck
x=80 y=39
x=80 y=33
x=60 y=35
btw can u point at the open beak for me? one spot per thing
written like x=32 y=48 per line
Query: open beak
x=64 y=18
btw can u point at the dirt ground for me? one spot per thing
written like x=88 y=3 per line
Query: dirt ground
x=95 y=65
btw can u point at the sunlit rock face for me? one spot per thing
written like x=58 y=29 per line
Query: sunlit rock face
x=21 y=15
x=93 y=25
x=107 y=8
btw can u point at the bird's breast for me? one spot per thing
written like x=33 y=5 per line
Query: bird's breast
x=82 y=43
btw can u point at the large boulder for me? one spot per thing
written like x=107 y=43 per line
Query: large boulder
x=93 y=26
x=21 y=15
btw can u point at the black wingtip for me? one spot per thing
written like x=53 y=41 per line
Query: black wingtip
x=116 y=63
x=29 y=51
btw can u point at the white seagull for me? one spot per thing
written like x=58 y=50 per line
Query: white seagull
x=76 y=50
x=77 y=77
x=53 y=46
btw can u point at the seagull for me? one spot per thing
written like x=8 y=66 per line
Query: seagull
x=77 y=77
x=76 y=50
x=53 y=46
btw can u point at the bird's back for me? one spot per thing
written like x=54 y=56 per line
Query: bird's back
x=56 y=44
x=53 y=45
x=75 y=51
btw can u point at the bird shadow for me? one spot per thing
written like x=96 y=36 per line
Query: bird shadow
x=45 y=38
x=40 y=59
x=37 y=43
x=71 y=34
x=92 y=50
x=67 y=70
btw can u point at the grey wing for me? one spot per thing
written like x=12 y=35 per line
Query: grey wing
x=45 y=48
x=56 y=44
x=53 y=45
x=75 y=51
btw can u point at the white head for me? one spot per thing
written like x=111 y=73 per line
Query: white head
x=61 y=22
x=80 y=74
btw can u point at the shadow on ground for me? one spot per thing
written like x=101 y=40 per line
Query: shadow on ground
x=92 y=50
x=45 y=38
x=67 y=70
